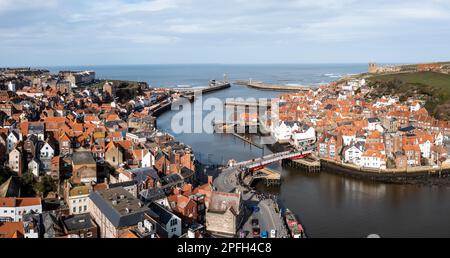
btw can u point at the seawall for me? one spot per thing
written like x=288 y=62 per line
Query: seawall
x=417 y=177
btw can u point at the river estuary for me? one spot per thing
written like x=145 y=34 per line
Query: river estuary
x=328 y=205
x=331 y=205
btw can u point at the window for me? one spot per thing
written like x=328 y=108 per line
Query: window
x=74 y=209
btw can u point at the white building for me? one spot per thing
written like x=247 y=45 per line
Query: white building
x=353 y=85
x=15 y=162
x=373 y=159
x=169 y=221
x=11 y=141
x=47 y=151
x=414 y=107
x=34 y=167
x=347 y=139
x=354 y=153
x=12 y=209
x=296 y=132
x=439 y=139
x=374 y=124
x=11 y=87
x=148 y=160
x=78 y=204
x=425 y=148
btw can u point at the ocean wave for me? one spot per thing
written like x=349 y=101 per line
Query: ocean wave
x=332 y=75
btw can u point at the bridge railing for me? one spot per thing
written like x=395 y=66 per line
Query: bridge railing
x=271 y=158
x=275 y=158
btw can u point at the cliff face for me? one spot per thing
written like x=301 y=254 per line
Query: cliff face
x=433 y=88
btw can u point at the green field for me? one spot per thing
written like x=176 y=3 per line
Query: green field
x=432 y=87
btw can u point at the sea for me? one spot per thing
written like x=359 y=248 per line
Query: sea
x=200 y=74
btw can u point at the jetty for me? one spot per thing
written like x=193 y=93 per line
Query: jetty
x=269 y=176
x=160 y=108
x=212 y=87
x=309 y=164
x=277 y=87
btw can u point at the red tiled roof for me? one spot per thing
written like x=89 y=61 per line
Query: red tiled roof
x=11 y=230
x=19 y=202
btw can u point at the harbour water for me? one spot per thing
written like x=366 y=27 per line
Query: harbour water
x=328 y=205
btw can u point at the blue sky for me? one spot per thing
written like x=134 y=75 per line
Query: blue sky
x=84 y=32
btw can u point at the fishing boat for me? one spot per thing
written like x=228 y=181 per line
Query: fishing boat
x=295 y=227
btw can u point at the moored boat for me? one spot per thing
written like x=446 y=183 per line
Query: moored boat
x=295 y=227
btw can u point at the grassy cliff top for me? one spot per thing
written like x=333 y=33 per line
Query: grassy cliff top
x=432 y=87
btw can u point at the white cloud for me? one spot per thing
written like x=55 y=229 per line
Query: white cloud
x=186 y=28
x=10 y=5
x=186 y=25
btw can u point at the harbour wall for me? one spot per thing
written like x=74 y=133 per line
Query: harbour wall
x=402 y=176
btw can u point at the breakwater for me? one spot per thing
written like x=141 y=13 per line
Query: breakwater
x=267 y=86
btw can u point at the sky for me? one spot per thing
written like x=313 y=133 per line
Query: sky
x=108 y=32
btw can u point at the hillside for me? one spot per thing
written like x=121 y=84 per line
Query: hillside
x=432 y=87
x=126 y=90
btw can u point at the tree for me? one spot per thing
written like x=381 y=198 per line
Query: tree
x=27 y=184
x=5 y=174
x=45 y=185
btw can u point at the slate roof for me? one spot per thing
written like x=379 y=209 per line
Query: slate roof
x=151 y=195
x=83 y=158
x=78 y=222
x=125 y=212
x=10 y=188
x=186 y=173
x=124 y=184
x=171 y=180
x=220 y=202
x=141 y=174
x=163 y=216
x=407 y=129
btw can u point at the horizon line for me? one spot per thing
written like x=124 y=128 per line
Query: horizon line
x=212 y=63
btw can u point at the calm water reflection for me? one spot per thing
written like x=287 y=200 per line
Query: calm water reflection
x=330 y=205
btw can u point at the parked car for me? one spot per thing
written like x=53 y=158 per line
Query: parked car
x=264 y=234
x=273 y=233
x=256 y=232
